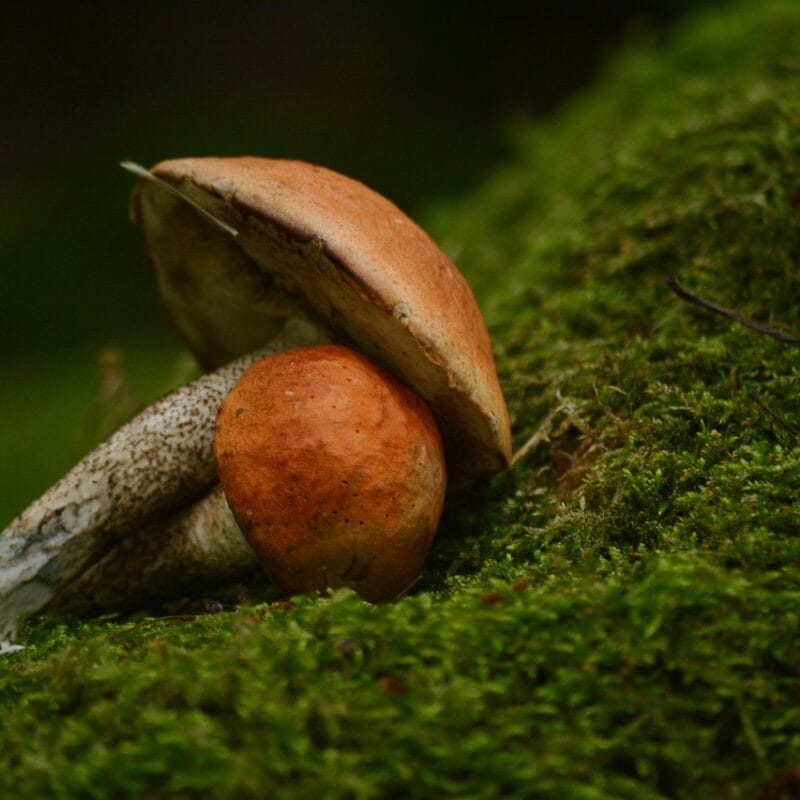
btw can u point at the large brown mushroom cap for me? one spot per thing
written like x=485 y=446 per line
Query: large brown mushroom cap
x=334 y=471
x=309 y=241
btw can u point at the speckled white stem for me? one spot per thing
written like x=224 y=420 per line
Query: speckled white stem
x=148 y=469
x=198 y=548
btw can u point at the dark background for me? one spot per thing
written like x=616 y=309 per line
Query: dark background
x=413 y=98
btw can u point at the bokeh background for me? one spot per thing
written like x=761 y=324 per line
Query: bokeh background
x=418 y=99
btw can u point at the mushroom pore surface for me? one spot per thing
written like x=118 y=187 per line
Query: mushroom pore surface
x=334 y=471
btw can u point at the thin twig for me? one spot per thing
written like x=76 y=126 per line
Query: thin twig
x=542 y=434
x=774 y=414
x=685 y=294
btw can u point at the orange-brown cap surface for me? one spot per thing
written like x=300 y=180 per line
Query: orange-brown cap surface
x=334 y=471
x=309 y=241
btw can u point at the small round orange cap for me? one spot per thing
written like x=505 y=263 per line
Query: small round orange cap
x=334 y=471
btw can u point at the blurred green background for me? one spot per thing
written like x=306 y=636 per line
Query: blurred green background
x=414 y=98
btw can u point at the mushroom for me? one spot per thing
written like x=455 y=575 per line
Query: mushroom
x=334 y=472
x=294 y=240
x=246 y=250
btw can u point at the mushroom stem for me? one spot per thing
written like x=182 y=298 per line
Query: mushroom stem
x=199 y=547
x=159 y=461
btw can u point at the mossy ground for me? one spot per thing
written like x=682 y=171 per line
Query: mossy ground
x=616 y=617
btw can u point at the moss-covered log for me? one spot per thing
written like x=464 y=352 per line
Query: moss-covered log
x=618 y=616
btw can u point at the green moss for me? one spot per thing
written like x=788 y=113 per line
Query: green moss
x=618 y=615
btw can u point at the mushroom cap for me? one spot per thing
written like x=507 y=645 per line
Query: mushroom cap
x=334 y=471
x=300 y=240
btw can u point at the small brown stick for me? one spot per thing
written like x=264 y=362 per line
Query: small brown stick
x=774 y=414
x=685 y=294
x=542 y=434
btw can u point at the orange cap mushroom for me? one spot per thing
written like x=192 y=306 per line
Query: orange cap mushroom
x=241 y=244
x=334 y=471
